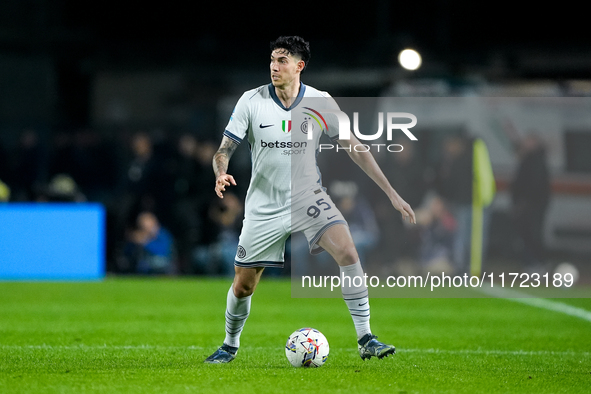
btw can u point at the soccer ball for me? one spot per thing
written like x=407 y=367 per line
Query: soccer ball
x=307 y=347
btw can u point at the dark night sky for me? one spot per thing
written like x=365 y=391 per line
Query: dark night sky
x=208 y=31
x=81 y=38
x=444 y=26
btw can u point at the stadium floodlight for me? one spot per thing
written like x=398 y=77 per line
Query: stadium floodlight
x=409 y=59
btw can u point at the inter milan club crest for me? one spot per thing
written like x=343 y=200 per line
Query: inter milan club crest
x=304 y=126
x=286 y=126
x=241 y=252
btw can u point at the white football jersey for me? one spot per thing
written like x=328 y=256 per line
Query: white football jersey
x=283 y=156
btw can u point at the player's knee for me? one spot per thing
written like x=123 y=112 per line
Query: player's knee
x=243 y=289
x=347 y=255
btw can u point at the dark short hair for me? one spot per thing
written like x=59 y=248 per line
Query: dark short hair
x=295 y=46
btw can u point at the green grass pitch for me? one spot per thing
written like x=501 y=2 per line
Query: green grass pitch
x=138 y=335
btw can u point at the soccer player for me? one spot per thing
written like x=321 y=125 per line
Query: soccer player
x=263 y=117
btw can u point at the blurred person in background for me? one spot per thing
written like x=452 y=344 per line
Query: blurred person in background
x=215 y=254
x=407 y=170
x=137 y=180
x=187 y=222
x=149 y=247
x=467 y=184
x=204 y=152
x=530 y=195
x=142 y=182
x=192 y=174
x=61 y=188
x=141 y=173
x=437 y=228
x=454 y=184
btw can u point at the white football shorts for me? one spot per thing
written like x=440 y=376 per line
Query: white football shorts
x=262 y=240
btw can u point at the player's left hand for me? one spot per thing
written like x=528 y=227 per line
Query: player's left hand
x=404 y=208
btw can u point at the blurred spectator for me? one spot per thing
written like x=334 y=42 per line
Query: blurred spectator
x=149 y=247
x=204 y=153
x=193 y=193
x=61 y=188
x=28 y=170
x=141 y=171
x=407 y=173
x=217 y=252
x=133 y=196
x=530 y=193
x=454 y=184
x=187 y=221
x=143 y=182
x=187 y=167
x=437 y=227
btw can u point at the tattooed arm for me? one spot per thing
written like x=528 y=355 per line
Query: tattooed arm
x=220 y=166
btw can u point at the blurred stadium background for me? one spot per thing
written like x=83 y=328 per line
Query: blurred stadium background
x=124 y=105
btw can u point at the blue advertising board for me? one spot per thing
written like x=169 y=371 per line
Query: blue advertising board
x=52 y=241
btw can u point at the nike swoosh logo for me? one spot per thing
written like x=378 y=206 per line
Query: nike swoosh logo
x=334 y=216
x=264 y=126
x=363 y=303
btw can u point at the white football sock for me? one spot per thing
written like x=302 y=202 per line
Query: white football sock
x=356 y=297
x=237 y=311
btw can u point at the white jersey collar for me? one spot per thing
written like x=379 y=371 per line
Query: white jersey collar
x=294 y=104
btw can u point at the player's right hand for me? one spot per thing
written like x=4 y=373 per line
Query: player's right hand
x=221 y=183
